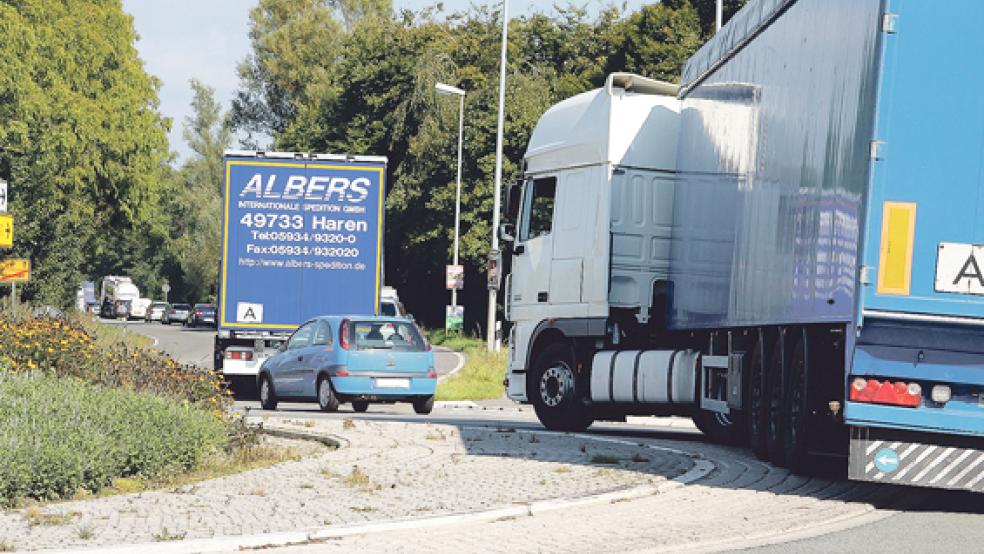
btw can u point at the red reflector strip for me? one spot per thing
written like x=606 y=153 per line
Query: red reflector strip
x=341 y=373
x=876 y=392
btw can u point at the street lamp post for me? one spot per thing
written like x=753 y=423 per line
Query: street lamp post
x=498 y=171
x=455 y=91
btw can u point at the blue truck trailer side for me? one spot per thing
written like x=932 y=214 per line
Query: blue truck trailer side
x=848 y=224
x=802 y=273
x=302 y=237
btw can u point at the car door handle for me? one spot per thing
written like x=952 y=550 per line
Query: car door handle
x=300 y=358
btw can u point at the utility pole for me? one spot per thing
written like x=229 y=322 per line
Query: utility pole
x=719 y=12
x=493 y=291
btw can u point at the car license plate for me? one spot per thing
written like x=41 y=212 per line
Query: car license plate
x=960 y=268
x=392 y=383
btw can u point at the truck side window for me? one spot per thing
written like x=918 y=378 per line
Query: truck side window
x=539 y=208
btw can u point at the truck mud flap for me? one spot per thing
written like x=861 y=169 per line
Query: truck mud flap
x=916 y=459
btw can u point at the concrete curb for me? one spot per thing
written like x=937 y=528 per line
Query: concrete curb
x=330 y=441
x=700 y=469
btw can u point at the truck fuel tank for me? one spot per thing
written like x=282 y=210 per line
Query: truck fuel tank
x=645 y=376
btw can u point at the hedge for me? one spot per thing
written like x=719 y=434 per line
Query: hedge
x=60 y=435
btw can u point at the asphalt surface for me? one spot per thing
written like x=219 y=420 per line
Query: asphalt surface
x=915 y=520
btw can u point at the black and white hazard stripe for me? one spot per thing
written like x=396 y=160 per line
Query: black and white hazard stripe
x=906 y=462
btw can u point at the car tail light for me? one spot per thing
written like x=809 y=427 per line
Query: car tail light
x=342 y=373
x=431 y=374
x=238 y=355
x=198 y=312
x=874 y=391
x=423 y=337
x=343 y=334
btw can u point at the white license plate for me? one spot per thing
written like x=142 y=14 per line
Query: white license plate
x=960 y=268
x=392 y=383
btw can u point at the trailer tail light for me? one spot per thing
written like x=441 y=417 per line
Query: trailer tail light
x=342 y=373
x=343 y=334
x=873 y=391
x=431 y=374
x=239 y=355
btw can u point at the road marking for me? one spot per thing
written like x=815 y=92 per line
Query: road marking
x=461 y=364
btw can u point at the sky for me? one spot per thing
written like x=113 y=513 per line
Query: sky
x=182 y=40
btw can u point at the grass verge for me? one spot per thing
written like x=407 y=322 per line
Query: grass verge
x=483 y=372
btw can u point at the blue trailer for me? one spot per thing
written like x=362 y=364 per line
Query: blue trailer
x=852 y=217
x=805 y=277
x=302 y=237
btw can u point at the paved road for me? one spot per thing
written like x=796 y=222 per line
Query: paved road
x=904 y=520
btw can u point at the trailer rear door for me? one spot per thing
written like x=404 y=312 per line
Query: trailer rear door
x=924 y=234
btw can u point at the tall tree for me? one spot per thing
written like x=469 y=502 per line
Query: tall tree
x=81 y=141
x=198 y=207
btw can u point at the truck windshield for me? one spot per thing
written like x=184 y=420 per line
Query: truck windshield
x=385 y=335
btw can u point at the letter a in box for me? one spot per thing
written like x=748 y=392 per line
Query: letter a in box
x=960 y=268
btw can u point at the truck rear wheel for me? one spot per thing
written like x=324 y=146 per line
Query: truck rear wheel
x=756 y=403
x=774 y=393
x=795 y=406
x=553 y=391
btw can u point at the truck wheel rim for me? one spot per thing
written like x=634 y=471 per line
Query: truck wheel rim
x=324 y=393
x=555 y=385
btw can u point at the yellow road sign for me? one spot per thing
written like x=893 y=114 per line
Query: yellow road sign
x=15 y=271
x=6 y=231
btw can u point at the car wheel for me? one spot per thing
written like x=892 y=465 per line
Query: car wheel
x=360 y=406
x=268 y=398
x=327 y=400
x=423 y=406
x=553 y=391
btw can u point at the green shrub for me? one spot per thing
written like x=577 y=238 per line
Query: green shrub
x=78 y=348
x=61 y=435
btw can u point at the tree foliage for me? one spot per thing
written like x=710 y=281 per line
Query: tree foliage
x=375 y=95
x=81 y=142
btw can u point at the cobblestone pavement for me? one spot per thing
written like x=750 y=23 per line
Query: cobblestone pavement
x=742 y=503
x=384 y=471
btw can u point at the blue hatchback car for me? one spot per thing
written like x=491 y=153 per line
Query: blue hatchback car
x=357 y=359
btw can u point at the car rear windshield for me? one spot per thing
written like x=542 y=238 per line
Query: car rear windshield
x=180 y=306
x=387 y=335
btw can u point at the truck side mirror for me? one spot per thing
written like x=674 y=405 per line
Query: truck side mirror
x=513 y=194
x=507 y=232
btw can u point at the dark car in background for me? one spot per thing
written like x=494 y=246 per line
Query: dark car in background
x=176 y=313
x=202 y=315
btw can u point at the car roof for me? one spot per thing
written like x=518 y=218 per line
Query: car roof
x=363 y=317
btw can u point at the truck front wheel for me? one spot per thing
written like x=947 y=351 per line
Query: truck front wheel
x=553 y=391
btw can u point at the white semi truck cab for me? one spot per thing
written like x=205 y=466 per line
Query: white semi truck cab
x=592 y=222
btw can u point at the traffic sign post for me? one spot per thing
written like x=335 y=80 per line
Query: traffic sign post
x=14 y=271
x=165 y=288
x=3 y=196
